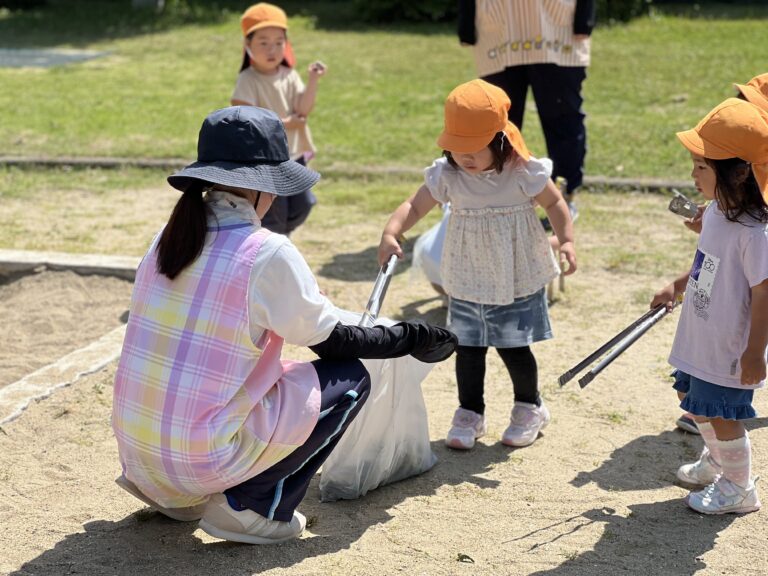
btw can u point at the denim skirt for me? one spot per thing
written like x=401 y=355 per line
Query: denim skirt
x=521 y=323
x=706 y=399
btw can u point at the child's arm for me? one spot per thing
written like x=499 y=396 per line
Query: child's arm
x=307 y=99
x=753 y=359
x=557 y=211
x=291 y=121
x=670 y=294
x=402 y=220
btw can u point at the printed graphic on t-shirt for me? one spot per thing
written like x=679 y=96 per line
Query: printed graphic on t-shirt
x=702 y=279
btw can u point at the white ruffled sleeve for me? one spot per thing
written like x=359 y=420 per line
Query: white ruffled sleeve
x=533 y=175
x=435 y=181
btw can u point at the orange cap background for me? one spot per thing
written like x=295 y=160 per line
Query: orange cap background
x=474 y=113
x=733 y=129
x=756 y=91
x=263 y=15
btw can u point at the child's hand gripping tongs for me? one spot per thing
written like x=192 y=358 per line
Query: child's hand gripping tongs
x=379 y=291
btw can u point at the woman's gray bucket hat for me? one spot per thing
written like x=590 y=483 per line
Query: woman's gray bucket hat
x=245 y=147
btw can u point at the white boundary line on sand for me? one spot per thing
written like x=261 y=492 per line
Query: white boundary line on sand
x=15 y=261
x=41 y=383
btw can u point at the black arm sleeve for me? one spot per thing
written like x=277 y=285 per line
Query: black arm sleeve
x=585 y=17
x=466 y=28
x=423 y=341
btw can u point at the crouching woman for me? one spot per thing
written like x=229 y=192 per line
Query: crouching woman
x=211 y=423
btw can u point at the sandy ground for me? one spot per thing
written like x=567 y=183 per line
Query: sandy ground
x=594 y=495
x=48 y=314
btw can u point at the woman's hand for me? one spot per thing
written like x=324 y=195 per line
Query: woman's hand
x=388 y=246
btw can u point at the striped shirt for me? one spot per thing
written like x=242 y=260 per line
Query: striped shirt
x=518 y=32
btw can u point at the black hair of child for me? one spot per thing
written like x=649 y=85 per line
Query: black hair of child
x=246 y=59
x=737 y=190
x=501 y=151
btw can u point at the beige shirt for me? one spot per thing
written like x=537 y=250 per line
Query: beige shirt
x=518 y=32
x=280 y=93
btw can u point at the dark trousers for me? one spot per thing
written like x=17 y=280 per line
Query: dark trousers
x=470 y=375
x=289 y=212
x=276 y=492
x=557 y=93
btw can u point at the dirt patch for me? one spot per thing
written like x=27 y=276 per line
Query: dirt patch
x=594 y=495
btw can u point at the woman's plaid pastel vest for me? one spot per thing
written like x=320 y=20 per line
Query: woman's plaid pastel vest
x=198 y=407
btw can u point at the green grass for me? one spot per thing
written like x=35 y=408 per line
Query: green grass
x=381 y=102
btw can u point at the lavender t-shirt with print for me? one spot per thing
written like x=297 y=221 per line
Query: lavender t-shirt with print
x=716 y=315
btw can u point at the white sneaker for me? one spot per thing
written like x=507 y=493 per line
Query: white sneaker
x=466 y=427
x=525 y=423
x=246 y=526
x=188 y=514
x=724 y=497
x=700 y=473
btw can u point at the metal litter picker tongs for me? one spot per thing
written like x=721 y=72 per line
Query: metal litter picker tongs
x=617 y=345
x=379 y=291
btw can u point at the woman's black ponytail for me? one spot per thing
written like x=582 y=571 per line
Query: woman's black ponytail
x=183 y=238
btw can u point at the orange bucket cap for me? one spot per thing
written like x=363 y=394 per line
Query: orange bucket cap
x=735 y=128
x=756 y=91
x=263 y=15
x=474 y=113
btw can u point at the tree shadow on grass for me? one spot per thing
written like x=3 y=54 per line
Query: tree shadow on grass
x=148 y=543
x=740 y=10
x=79 y=23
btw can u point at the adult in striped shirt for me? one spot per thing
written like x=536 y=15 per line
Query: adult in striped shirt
x=544 y=44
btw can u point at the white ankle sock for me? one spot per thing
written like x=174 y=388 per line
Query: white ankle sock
x=708 y=435
x=736 y=460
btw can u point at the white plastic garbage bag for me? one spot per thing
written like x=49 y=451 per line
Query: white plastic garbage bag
x=389 y=439
x=428 y=249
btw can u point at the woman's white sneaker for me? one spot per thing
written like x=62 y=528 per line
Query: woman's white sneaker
x=246 y=526
x=188 y=514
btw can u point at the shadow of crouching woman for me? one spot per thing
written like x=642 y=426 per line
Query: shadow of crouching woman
x=147 y=542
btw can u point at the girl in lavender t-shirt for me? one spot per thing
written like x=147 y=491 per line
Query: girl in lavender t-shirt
x=720 y=346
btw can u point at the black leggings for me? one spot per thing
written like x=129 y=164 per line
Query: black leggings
x=470 y=375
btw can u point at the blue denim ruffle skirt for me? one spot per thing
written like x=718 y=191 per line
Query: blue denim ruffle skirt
x=521 y=323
